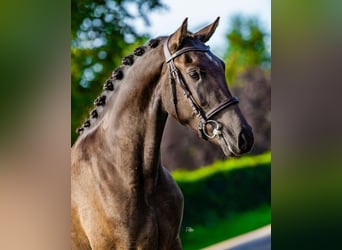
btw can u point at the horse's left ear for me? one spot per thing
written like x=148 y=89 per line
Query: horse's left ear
x=205 y=33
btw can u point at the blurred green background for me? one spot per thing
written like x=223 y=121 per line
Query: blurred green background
x=223 y=198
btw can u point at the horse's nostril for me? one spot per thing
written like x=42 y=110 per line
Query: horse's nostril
x=245 y=140
x=242 y=142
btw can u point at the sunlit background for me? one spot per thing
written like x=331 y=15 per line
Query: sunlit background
x=200 y=13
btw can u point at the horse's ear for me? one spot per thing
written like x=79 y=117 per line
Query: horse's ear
x=176 y=38
x=205 y=33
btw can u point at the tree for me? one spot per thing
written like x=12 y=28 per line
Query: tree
x=247 y=47
x=101 y=34
x=247 y=70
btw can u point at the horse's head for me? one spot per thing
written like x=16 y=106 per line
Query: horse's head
x=195 y=91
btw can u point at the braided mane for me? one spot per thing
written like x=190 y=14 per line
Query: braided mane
x=113 y=82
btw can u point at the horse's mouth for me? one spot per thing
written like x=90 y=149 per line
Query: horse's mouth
x=235 y=144
x=226 y=146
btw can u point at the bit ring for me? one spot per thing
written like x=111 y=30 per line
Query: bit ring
x=216 y=131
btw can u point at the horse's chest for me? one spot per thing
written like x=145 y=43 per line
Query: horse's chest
x=155 y=221
x=147 y=231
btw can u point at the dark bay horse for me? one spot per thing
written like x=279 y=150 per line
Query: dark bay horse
x=121 y=196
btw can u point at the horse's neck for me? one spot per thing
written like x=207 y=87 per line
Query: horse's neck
x=133 y=125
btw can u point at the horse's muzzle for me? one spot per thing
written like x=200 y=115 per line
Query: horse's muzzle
x=236 y=145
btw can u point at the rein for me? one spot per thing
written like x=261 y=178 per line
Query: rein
x=204 y=117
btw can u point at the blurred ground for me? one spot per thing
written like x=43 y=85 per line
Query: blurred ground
x=259 y=239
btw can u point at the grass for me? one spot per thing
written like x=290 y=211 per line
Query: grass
x=197 y=237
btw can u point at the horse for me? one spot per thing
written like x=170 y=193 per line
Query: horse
x=121 y=196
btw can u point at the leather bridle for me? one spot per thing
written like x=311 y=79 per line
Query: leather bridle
x=204 y=117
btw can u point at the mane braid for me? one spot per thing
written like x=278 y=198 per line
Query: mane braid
x=109 y=85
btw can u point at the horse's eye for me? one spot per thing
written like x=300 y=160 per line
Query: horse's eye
x=194 y=75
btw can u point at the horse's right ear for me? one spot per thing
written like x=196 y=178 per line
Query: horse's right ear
x=176 y=38
x=205 y=33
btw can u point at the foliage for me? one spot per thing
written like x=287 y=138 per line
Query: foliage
x=248 y=72
x=101 y=33
x=97 y=23
x=247 y=47
x=224 y=189
x=183 y=175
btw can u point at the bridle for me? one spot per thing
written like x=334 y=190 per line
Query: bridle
x=204 y=117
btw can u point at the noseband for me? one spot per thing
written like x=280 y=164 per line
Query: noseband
x=204 y=117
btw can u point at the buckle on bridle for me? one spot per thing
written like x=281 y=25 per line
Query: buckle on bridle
x=216 y=130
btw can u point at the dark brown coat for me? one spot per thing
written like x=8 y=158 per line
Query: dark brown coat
x=121 y=197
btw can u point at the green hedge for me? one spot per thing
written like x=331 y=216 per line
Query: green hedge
x=224 y=188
